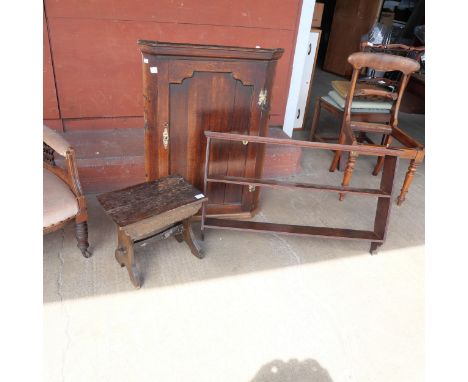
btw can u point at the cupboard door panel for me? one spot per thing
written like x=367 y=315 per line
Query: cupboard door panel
x=209 y=101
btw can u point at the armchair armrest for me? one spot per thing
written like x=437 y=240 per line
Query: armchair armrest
x=55 y=141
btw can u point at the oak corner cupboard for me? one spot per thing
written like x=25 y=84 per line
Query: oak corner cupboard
x=188 y=89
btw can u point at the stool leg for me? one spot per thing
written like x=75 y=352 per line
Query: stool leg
x=315 y=119
x=125 y=257
x=191 y=241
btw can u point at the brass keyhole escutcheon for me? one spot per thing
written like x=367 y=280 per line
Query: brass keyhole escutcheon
x=262 y=99
x=165 y=136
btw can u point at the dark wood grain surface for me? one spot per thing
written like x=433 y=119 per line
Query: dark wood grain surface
x=229 y=112
x=145 y=200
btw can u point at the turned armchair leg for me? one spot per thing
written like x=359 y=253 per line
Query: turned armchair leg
x=81 y=230
x=315 y=119
x=348 y=172
x=407 y=182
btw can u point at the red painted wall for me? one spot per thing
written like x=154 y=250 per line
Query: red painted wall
x=92 y=68
x=97 y=62
x=50 y=105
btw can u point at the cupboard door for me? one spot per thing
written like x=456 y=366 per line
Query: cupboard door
x=213 y=101
x=189 y=89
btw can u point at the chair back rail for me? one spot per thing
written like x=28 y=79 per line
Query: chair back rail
x=382 y=62
x=414 y=51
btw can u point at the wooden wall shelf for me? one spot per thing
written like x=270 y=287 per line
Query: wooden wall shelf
x=384 y=193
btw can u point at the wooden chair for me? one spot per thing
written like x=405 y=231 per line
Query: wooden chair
x=390 y=130
x=373 y=113
x=63 y=197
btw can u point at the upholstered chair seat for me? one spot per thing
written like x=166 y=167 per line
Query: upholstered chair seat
x=59 y=203
x=358 y=106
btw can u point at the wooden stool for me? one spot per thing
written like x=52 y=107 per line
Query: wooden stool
x=159 y=209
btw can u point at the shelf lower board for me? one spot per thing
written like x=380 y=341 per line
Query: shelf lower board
x=288 y=229
x=275 y=183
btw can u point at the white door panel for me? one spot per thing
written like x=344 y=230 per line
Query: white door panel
x=300 y=53
x=305 y=80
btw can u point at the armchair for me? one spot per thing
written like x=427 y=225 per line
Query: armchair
x=63 y=198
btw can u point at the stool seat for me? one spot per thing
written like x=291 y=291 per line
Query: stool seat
x=146 y=208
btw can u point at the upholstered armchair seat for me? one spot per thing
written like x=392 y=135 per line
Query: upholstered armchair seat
x=59 y=202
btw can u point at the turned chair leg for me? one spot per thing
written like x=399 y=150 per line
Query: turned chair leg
x=81 y=230
x=407 y=182
x=315 y=119
x=386 y=141
x=348 y=172
x=336 y=158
